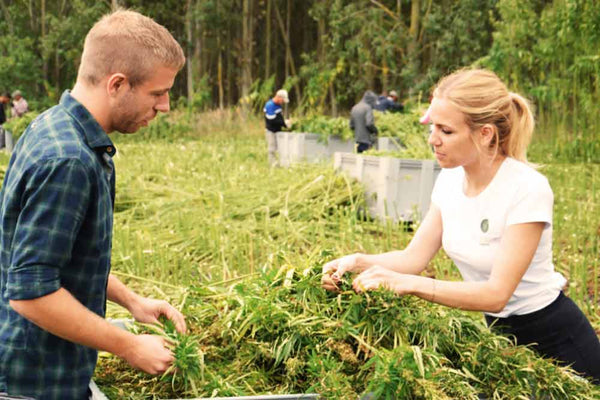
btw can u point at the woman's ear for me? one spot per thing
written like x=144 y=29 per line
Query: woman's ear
x=487 y=134
x=116 y=83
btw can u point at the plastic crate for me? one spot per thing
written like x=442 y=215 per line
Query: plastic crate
x=389 y=144
x=396 y=189
x=294 y=147
x=8 y=140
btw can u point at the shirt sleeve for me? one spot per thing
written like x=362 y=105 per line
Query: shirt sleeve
x=533 y=202
x=53 y=205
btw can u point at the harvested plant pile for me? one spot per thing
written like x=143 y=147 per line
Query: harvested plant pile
x=406 y=130
x=279 y=332
x=325 y=127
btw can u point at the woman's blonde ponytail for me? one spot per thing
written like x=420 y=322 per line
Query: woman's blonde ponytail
x=522 y=124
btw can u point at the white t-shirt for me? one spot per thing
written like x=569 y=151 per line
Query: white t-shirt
x=473 y=228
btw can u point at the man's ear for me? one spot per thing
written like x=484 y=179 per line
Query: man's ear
x=116 y=83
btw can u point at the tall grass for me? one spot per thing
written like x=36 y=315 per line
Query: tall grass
x=577 y=231
x=550 y=52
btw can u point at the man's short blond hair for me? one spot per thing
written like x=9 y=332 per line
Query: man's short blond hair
x=130 y=43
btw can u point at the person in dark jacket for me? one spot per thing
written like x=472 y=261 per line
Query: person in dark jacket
x=274 y=121
x=362 y=122
x=389 y=103
x=4 y=99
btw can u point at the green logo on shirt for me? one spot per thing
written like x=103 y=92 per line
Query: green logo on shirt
x=485 y=224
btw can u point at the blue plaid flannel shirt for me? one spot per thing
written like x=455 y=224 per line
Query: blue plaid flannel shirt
x=56 y=215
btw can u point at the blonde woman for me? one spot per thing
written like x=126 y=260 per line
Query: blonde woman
x=492 y=214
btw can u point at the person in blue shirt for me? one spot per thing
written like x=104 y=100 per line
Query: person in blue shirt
x=56 y=216
x=275 y=122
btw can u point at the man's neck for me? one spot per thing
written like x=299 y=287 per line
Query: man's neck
x=89 y=98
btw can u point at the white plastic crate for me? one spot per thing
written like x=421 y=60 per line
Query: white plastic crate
x=8 y=141
x=396 y=188
x=294 y=147
x=388 y=144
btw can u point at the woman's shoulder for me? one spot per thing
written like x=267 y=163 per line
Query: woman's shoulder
x=525 y=177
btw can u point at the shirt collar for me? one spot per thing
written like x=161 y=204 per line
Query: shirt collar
x=93 y=133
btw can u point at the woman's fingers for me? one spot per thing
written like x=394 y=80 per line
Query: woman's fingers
x=345 y=264
x=330 y=267
x=328 y=284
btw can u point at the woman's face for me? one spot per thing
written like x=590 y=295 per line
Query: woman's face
x=450 y=136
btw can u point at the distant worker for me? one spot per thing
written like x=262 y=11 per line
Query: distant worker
x=389 y=103
x=275 y=122
x=4 y=99
x=19 y=104
x=362 y=122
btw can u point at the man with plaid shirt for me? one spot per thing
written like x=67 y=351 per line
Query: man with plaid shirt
x=56 y=216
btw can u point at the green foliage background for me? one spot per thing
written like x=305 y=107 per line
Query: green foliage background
x=327 y=52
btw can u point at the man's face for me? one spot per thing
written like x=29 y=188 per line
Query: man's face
x=137 y=106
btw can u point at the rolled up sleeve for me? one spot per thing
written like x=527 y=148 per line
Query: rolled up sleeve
x=53 y=207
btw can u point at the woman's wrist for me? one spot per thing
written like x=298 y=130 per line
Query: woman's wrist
x=421 y=286
x=406 y=284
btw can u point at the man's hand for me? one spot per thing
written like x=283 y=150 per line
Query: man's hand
x=149 y=310
x=149 y=353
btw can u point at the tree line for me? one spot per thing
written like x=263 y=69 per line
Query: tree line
x=325 y=52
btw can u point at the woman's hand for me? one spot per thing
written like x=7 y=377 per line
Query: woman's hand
x=334 y=270
x=380 y=277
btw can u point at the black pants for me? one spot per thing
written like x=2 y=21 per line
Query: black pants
x=360 y=147
x=560 y=331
